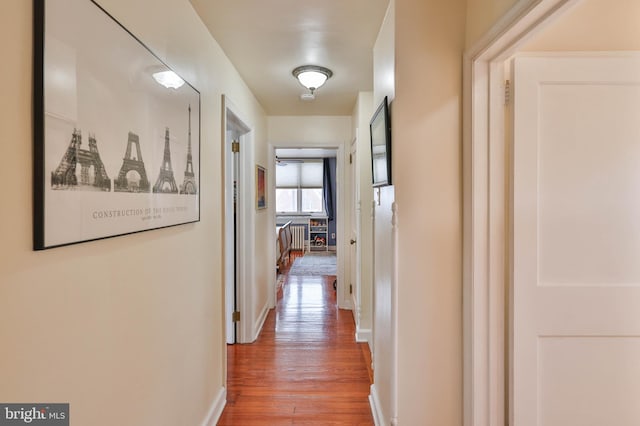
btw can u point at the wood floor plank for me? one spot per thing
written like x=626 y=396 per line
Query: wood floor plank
x=305 y=368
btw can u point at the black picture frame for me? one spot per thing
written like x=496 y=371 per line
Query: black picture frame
x=380 y=131
x=115 y=151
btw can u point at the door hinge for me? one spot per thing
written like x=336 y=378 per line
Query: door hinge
x=507 y=92
x=350 y=288
x=350 y=158
x=235 y=146
x=235 y=316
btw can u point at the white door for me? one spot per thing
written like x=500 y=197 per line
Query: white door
x=575 y=357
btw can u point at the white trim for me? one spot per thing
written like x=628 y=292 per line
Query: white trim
x=376 y=407
x=257 y=326
x=348 y=302
x=394 y=316
x=343 y=248
x=245 y=216
x=216 y=408
x=271 y=188
x=364 y=335
x=356 y=309
x=484 y=238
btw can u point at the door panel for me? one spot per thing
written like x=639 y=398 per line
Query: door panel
x=576 y=241
x=576 y=372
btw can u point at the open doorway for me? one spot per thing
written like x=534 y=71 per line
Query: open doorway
x=306 y=211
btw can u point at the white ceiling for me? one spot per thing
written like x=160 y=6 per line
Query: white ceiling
x=267 y=39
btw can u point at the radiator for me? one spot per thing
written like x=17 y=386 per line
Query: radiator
x=297 y=237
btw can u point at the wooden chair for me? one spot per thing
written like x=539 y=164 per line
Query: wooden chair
x=284 y=244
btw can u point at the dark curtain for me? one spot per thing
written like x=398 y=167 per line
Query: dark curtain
x=327 y=187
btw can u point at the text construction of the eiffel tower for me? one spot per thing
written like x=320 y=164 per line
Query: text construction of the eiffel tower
x=121 y=148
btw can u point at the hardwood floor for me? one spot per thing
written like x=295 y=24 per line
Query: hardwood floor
x=305 y=368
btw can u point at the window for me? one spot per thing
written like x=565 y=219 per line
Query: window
x=299 y=187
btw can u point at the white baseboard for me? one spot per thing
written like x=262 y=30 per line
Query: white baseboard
x=257 y=327
x=346 y=304
x=376 y=408
x=215 y=411
x=364 y=335
x=354 y=310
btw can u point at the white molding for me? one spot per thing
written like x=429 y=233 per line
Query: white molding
x=394 y=315
x=343 y=248
x=348 y=302
x=364 y=335
x=216 y=408
x=525 y=19
x=355 y=311
x=271 y=188
x=376 y=407
x=247 y=225
x=257 y=326
x=484 y=230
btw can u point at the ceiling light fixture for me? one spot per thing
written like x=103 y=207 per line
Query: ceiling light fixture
x=168 y=79
x=312 y=76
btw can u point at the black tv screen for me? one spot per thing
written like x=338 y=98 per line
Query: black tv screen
x=380 y=127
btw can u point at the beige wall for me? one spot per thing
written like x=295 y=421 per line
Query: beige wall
x=309 y=131
x=427 y=172
x=483 y=14
x=589 y=25
x=592 y=25
x=128 y=330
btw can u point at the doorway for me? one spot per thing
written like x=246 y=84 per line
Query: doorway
x=354 y=251
x=307 y=197
x=494 y=258
x=236 y=132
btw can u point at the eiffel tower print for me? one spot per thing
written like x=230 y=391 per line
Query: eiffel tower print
x=93 y=175
x=189 y=185
x=132 y=176
x=165 y=183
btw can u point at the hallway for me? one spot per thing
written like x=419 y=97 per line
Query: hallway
x=305 y=368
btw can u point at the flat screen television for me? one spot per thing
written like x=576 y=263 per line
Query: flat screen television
x=380 y=127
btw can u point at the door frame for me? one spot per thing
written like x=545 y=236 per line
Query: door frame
x=354 y=233
x=231 y=117
x=343 y=297
x=485 y=216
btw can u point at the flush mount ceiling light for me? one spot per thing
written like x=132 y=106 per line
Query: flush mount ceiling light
x=168 y=79
x=312 y=76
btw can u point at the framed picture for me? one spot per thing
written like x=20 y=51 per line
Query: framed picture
x=261 y=188
x=116 y=131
